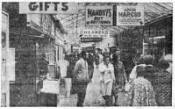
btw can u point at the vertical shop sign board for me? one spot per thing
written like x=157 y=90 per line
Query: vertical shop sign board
x=11 y=64
x=46 y=24
x=130 y=15
x=99 y=15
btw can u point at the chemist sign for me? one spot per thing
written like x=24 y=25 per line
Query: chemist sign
x=47 y=7
x=89 y=35
x=99 y=15
x=130 y=15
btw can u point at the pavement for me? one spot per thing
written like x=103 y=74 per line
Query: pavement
x=67 y=101
x=72 y=100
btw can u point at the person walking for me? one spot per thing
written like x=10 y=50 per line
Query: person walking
x=141 y=92
x=81 y=78
x=98 y=52
x=93 y=93
x=163 y=84
x=120 y=75
x=147 y=61
x=63 y=65
x=107 y=79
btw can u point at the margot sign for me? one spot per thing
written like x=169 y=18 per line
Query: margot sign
x=130 y=15
x=46 y=7
x=99 y=15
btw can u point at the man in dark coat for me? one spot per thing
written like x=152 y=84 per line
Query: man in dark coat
x=81 y=78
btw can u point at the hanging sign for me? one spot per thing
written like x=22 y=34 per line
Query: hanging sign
x=47 y=7
x=130 y=15
x=99 y=15
x=89 y=35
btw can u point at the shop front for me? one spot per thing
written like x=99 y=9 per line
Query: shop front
x=33 y=38
x=158 y=37
x=5 y=91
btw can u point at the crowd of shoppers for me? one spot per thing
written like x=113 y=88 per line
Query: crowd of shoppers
x=99 y=79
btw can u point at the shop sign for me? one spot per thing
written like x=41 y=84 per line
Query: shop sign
x=93 y=35
x=5 y=30
x=91 y=39
x=90 y=48
x=47 y=7
x=46 y=24
x=83 y=45
x=99 y=15
x=34 y=21
x=42 y=23
x=130 y=15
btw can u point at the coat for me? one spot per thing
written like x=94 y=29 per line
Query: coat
x=142 y=93
x=80 y=76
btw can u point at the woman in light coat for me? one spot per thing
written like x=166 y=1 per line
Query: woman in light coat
x=93 y=92
x=107 y=71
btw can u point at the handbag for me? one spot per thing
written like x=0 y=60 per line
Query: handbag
x=123 y=99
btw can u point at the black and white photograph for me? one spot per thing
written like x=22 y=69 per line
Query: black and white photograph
x=86 y=54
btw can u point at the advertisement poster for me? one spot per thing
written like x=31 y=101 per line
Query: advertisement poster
x=99 y=15
x=130 y=15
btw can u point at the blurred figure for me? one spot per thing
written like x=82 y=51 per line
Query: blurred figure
x=98 y=51
x=149 y=68
x=93 y=93
x=168 y=58
x=141 y=92
x=81 y=78
x=63 y=65
x=90 y=61
x=133 y=73
x=120 y=74
x=146 y=60
x=163 y=84
x=107 y=71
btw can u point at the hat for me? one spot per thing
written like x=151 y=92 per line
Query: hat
x=140 y=70
x=148 y=59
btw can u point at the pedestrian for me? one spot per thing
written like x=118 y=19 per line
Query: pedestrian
x=90 y=62
x=81 y=78
x=63 y=65
x=163 y=84
x=133 y=73
x=146 y=60
x=168 y=58
x=141 y=92
x=98 y=51
x=107 y=79
x=93 y=93
x=120 y=75
x=150 y=69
